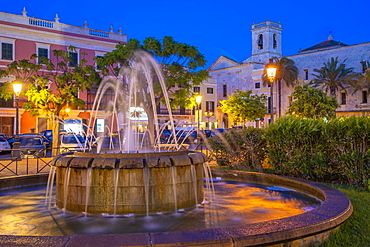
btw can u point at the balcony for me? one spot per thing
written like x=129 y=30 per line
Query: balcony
x=61 y=27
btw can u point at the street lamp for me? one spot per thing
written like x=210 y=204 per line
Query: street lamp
x=198 y=100
x=17 y=87
x=271 y=70
x=208 y=114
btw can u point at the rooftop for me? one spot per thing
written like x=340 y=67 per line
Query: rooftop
x=326 y=45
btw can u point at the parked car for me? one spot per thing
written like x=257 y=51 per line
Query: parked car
x=187 y=135
x=165 y=135
x=44 y=139
x=107 y=144
x=6 y=137
x=32 y=145
x=4 y=145
x=72 y=142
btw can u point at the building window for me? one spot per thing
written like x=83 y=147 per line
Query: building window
x=306 y=74
x=269 y=105
x=260 y=42
x=257 y=85
x=210 y=106
x=43 y=50
x=6 y=51
x=97 y=66
x=224 y=90
x=209 y=90
x=274 y=46
x=364 y=97
x=97 y=56
x=74 y=59
x=196 y=89
x=343 y=98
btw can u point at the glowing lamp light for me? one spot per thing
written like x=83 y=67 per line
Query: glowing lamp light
x=198 y=99
x=208 y=113
x=17 y=87
x=271 y=72
x=68 y=110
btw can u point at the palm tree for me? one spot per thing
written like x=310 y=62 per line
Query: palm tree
x=334 y=76
x=364 y=81
x=287 y=72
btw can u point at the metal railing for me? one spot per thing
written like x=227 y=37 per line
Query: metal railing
x=22 y=162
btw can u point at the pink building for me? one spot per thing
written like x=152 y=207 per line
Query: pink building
x=21 y=36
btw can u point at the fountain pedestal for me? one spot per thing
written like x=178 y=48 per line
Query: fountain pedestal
x=121 y=184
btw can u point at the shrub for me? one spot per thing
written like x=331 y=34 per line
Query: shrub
x=320 y=150
x=241 y=148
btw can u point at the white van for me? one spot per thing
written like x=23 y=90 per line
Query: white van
x=70 y=142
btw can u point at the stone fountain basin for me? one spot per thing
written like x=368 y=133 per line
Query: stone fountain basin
x=303 y=229
x=145 y=182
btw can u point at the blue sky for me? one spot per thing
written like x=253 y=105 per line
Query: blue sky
x=215 y=27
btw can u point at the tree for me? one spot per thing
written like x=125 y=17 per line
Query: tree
x=287 y=72
x=364 y=80
x=55 y=86
x=311 y=102
x=242 y=106
x=179 y=64
x=334 y=76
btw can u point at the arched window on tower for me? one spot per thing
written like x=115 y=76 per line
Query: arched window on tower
x=274 y=44
x=260 y=42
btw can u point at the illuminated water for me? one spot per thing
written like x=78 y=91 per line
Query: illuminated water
x=22 y=212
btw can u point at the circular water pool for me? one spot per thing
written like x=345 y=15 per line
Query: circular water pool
x=22 y=212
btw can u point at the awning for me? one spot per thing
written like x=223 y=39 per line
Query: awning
x=84 y=115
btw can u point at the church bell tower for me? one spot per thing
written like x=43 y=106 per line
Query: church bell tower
x=266 y=41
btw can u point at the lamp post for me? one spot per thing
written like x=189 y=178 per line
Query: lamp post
x=271 y=70
x=198 y=100
x=17 y=87
x=208 y=114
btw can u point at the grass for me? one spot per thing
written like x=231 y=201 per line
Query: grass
x=356 y=230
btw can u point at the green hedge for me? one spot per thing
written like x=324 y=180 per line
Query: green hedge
x=335 y=150
x=241 y=148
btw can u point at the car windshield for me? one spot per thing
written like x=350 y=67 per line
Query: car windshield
x=3 y=140
x=73 y=139
x=30 y=141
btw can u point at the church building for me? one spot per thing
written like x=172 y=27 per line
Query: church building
x=266 y=44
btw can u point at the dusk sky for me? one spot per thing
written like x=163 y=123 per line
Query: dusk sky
x=215 y=27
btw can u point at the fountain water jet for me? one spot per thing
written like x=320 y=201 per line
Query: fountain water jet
x=142 y=176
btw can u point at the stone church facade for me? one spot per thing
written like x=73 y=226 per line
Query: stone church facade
x=267 y=43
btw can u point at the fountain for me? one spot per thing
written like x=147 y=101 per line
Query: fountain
x=142 y=176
